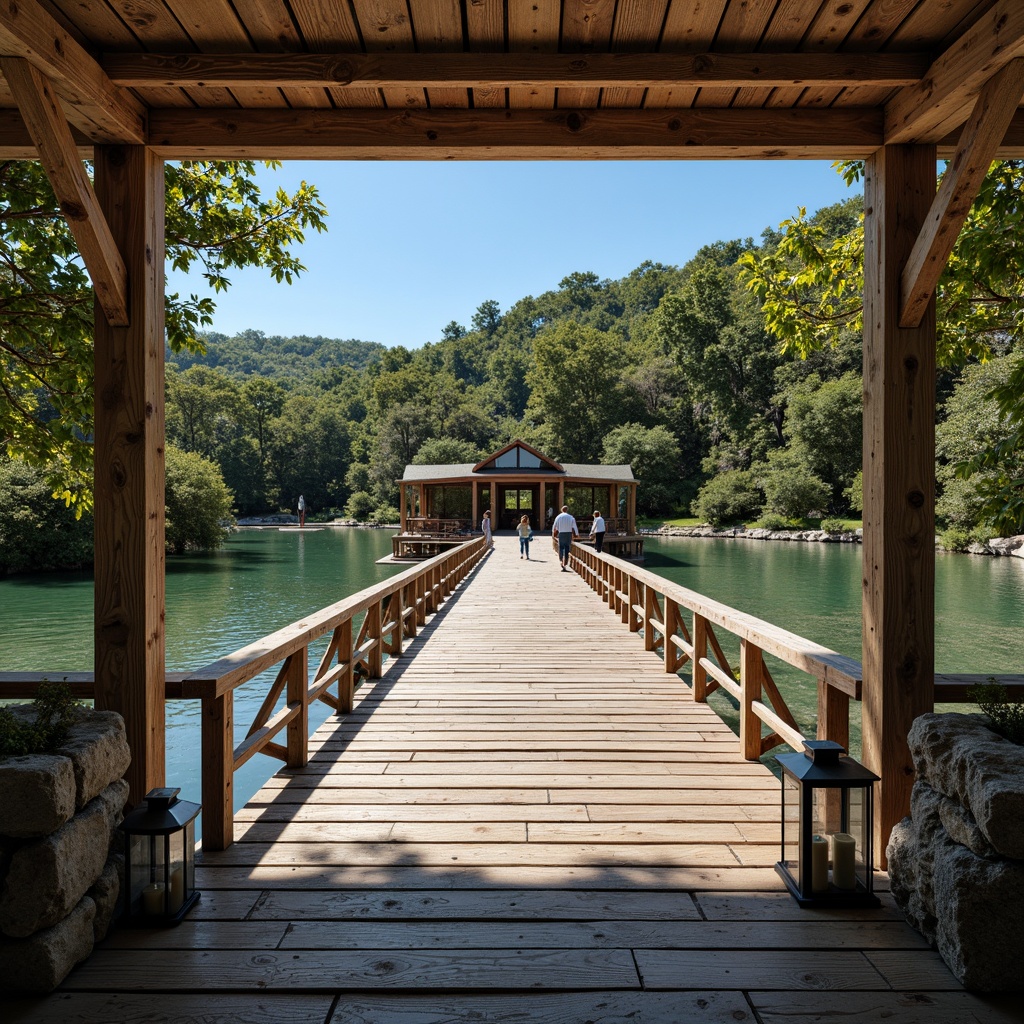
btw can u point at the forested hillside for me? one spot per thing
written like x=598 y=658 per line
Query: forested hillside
x=731 y=384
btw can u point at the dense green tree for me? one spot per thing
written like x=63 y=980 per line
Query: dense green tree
x=654 y=454
x=487 y=318
x=216 y=218
x=446 y=451
x=576 y=387
x=791 y=488
x=730 y=497
x=199 y=503
x=36 y=532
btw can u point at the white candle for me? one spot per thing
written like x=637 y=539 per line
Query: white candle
x=819 y=864
x=153 y=899
x=177 y=890
x=843 y=861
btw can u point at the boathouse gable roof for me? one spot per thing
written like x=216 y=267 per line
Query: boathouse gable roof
x=535 y=464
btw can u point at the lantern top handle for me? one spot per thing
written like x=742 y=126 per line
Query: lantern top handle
x=824 y=752
x=162 y=799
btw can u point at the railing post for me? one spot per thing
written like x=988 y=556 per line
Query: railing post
x=833 y=714
x=297 y=691
x=650 y=610
x=375 y=656
x=700 y=652
x=633 y=590
x=610 y=575
x=218 y=754
x=347 y=680
x=750 y=690
x=396 y=610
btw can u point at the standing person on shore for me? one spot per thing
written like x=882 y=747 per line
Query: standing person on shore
x=302 y=512
x=597 y=530
x=525 y=536
x=485 y=526
x=564 y=528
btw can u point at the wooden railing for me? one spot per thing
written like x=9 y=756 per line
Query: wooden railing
x=391 y=611
x=652 y=605
x=437 y=527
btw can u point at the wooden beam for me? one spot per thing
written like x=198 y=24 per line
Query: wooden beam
x=981 y=137
x=899 y=481
x=59 y=157
x=943 y=99
x=495 y=134
x=129 y=466
x=511 y=70
x=100 y=109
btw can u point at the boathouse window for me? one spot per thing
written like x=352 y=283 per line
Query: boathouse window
x=518 y=458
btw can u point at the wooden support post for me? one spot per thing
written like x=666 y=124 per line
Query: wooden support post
x=403 y=491
x=297 y=674
x=630 y=616
x=346 y=682
x=129 y=467
x=750 y=689
x=700 y=650
x=672 y=622
x=650 y=612
x=899 y=481
x=217 y=739
x=375 y=656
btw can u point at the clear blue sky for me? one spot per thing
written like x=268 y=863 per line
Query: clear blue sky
x=412 y=246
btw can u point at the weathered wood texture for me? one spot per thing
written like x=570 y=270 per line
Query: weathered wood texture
x=129 y=466
x=899 y=480
x=524 y=818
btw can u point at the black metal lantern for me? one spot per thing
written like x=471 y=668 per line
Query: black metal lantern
x=160 y=852
x=827 y=857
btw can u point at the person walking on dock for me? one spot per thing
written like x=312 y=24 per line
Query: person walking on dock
x=302 y=512
x=485 y=526
x=525 y=536
x=597 y=530
x=563 y=529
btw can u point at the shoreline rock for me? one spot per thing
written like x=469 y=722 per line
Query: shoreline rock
x=997 y=546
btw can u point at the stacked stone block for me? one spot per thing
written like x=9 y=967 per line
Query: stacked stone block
x=59 y=872
x=957 y=863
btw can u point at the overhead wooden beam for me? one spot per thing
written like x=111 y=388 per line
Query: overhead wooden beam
x=511 y=70
x=495 y=134
x=943 y=99
x=58 y=154
x=981 y=137
x=104 y=112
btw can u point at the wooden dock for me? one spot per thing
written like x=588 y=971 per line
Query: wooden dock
x=524 y=819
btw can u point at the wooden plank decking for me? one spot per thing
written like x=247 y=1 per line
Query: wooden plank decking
x=525 y=819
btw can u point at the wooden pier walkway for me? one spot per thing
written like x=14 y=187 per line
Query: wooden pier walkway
x=525 y=819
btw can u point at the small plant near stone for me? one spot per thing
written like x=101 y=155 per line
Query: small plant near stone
x=56 y=710
x=833 y=525
x=955 y=539
x=773 y=521
x=1005 y=716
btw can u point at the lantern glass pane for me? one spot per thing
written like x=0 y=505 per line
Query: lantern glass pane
x=859 y=828
x=190 y=858
x=791 y=825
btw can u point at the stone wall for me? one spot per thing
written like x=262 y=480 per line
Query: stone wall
x=957 y=863
x=59 y=872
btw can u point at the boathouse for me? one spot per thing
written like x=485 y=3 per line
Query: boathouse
x=441 y=505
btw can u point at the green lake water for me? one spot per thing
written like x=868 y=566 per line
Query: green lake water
x=264 y=579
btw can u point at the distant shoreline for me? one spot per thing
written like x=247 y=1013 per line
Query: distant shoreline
x=997 y=546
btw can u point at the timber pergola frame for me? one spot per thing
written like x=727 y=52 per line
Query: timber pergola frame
x=893 y=82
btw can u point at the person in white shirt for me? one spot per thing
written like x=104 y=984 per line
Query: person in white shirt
x=485 y=527
x=564 y=528
x=597 y=530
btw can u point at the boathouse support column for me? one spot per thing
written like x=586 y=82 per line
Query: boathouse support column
x=129 y=466
x=899 y=481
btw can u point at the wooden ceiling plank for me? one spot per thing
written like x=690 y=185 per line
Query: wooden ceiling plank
x=485 y=29
x=688 y=28
x=626 y=70
x=743 y=25
x=327 y=27
x=636 y=30
x=513 y=134
x=829 y=31
x=942 y=100
x=96 y=106
x=586 y=28
x=437 y=26
x=533 y=28
x=97 y=23
x=982 y=134
x=385 y=28
x=58 y=153
x=785 y=32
